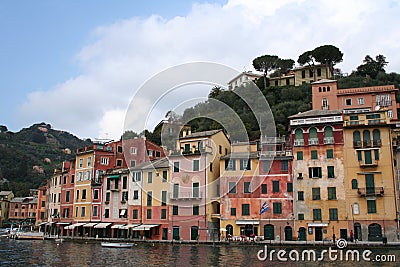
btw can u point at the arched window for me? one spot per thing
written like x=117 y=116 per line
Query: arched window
x=328 y=135
x=376 y=135
x=325 y=103
x=354 y=184
x=366 y=138
x=313 y=138
x=229 y=229
x=374 y=232
x=356 y=139
x=298 y=139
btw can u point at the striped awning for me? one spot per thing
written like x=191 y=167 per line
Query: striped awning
x=102 y=225
x=144 y=227
x=90 y=224
x=72 y=226
x=119 y=226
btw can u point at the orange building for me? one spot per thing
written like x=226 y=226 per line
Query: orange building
x=327 y=96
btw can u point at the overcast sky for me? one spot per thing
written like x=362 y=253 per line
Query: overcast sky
x=77 y=64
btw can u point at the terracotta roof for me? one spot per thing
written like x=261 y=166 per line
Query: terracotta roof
x=316 y=113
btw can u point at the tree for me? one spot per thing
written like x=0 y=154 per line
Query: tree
x=329 y=55
x=3 y=129
x=372 y=67
x=284 y=66
x=215 y=92
x=307 y=58
x=265 y=64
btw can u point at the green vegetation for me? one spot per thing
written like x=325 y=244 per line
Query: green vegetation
x=30 y=156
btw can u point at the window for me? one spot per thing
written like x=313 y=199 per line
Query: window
x=315 y=172
x=329 y=153
x=195 y=209
x=80 y=176
x=316 y=193
x=310 y=73
x=300 y=176
x=331 y=193
x=175 y=191
x=354 y=184
x=196 y=164
x=289 y=187
x=174 y=210
x=285 y=165
x=390 y=113
x=43 y=203
x=303 y=74
x=211 y=167
x=313 y=137
x=72 y=179
x=119 y=149
x=80 y=163
x=348 y=102
x=376 y=137
x=87 y=175
x=149 y=177
x=119 y=162
x=299 y=139
x=164 y=176
x=233 y=211
x=158 y=154
x=325 y=103
x=230 y=164
x=67 y=196
x=371 y=206
x=176 y=166
x=317 y=215
x=108 y=196
x=220 y=149
x=138 y=176
x=187 y=148
x=245 y=164
x=135 y=214
x=300 y=216
x=300 y=195
x=148 y=214
x=89 y=161
x=277 y=206
x=150 y=153
x=232 y=187
x=64 y=179
x=333 y=214
x=360 y=101
x=83 y=211
x=124 y=196
x=96 y=194
x=314 y=154
x=331 y=171
x=149 y=198
x=245 y=209
x=356 y=139
x=77 y=194
x=104 y=161
x=299 y=155
x=95 y=211
x=133 y=163
x=264 y=189
x=133 y=150
x=319 y=72
x=163 y=214
x=275 y=186
x=246 y=188
x=196 y=190
x=136 y=194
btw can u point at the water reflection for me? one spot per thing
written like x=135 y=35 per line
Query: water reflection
x=49 y=253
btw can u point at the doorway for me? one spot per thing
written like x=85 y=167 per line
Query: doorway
x=357 y=232
x=175 y=233
x=302 y=234
x=288 y=233
x=318 y=233
x=165 y=234
x=343 y=233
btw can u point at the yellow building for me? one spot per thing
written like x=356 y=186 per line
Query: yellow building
x=370 y=183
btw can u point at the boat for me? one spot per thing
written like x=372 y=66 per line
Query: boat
x=27 y=235
x=116 y=245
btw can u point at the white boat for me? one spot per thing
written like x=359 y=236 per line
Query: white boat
x=116 y=245
x=27 y=235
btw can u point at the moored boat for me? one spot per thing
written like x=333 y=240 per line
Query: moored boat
x=116 y=245
x=27 y=235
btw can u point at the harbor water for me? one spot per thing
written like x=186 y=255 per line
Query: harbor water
x=80 y=253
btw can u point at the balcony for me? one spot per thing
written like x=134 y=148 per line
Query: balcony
x=216 y=216
x=377 y=143
x=367 y=143
x=277 y=153
x=372 y=163
x=299 y=142
x=329 y=140
x=186 y=196
x=313 y=141
x=371 y=192
x=357 y=144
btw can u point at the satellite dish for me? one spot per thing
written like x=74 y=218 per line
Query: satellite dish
x=377 y=108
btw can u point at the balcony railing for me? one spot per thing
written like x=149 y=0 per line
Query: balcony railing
x=329 y=140
x=373 y=163
x=371 y=192
x=299 y=142
x=357 y=144
x=364 y=122
x=186 y=195
x=313 y=141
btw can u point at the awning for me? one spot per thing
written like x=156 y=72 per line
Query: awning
x=119 y=226
x=102 y=225
x=318 y=224
x=144 y=227
x=72 y=226
x=42 y=223
x=240 y=222
x=63 y=223
x=49 y=223
x=89 y=224
x=132 y=225
x=113 y=177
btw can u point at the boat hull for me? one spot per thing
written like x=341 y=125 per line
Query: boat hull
x=116 y=245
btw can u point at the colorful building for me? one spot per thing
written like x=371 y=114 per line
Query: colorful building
x=327 y=96
x=195 y=170
x=319 y=175
x=5 y=197
x=370 y=180
x=22 y=211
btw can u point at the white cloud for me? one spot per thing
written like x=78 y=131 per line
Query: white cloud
x=122 y=56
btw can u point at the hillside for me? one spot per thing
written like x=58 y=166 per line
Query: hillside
x=30 y=156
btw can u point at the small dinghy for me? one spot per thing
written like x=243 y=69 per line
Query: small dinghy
x=116 y=245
